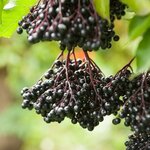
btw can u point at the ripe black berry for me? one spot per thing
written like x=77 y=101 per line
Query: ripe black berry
x=116 y=121
x=19 y=30
x=116 y=38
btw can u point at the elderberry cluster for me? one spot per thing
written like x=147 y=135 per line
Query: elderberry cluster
x=114 y=88
x=138 y=142
x=73 y=23
x=117 y=9
x=67 y=90
x=136 y=109
x=76 y=89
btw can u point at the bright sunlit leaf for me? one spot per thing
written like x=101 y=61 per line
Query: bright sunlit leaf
x=1 y=8
x=102 y=8
x=143 y=52
x=12 y=13
x=138 y=25
x=138 y=6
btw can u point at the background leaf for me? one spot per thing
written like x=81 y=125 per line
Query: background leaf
x=1 y=8
x=11 y=17
x=138 y=25
x=102 y=8
x=138 y=6
x=143 y=53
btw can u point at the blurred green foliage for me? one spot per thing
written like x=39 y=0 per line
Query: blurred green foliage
x=25 y=63
x=138 y=26
x=103 y=11
x=140 y=8
x=143 y=52
x=11 y=13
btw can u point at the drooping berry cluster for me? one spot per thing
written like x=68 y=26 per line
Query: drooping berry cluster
x=73 y=23
x=138 y=142
x=71 y=88
x=76 y=89
x=136 y=110
x=114 y=89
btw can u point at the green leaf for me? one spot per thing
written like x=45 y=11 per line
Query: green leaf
x=138 y=26
x=11 y=17
x=2 y=4
x=5 y=2
x=141 y=8
x=143 y=53
x=102 y=8
x=1 y=8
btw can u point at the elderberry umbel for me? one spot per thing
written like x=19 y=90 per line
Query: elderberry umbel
x=76 y=89
x=138 y=142
x=73 y=23
x=136 y=110
x=71 y=88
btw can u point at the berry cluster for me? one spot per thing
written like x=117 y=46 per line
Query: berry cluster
x=73 y=23
x=76 y=89
x=69 y=89
x=136 y=110
x=114 y=89
x=138 y=142
x=117 y=9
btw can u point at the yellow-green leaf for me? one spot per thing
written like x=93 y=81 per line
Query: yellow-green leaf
x=138 y=25
x=1 y=8
x=143 y=52
x=11 y=17
x=103 y=8
x=138 y=6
